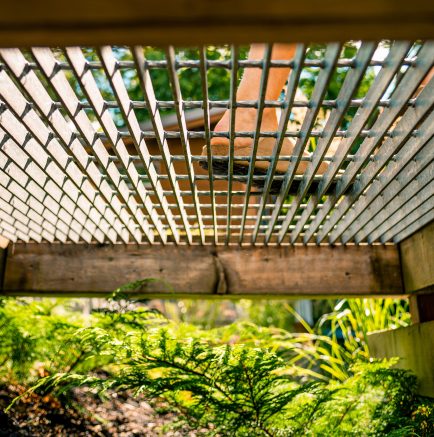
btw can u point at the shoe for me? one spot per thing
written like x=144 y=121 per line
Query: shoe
x=265 y=148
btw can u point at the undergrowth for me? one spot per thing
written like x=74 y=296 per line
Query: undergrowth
x=238 y=380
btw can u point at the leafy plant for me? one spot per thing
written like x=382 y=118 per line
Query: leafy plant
x=237 y=380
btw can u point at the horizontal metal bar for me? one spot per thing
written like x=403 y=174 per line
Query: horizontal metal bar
x=225 y=104
x=250 y=134
x=227 y=64
x=225 y=158
x=216 y=177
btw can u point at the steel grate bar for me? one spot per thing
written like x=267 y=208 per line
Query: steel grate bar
x=402 y=169
x=232 y=116
x=225 y=104
x=207 y=126
x=419 y=223
x=149 y=96
x=243 y=63
x=60 y=126
x=410 y=118
x=117 y=85
x=176 y=90
x=107 y=144
x=384 y=77
x=320 y=89
x=404 y=91
x=293 y=79
x=349 y=87
x=71 y=105
x=28 y=181
x=259 y=114
x=90 y=88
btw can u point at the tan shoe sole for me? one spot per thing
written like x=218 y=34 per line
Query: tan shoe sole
x=265 y=148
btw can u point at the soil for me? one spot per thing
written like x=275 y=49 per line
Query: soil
x=85 y=414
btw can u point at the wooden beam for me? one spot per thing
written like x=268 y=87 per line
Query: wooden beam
x=204 y=271
x=417 y=258
x=414 y=345
x=422 y=306
x=196 y=21
x=3 y=256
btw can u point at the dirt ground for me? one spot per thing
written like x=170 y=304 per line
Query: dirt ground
x=86 y=415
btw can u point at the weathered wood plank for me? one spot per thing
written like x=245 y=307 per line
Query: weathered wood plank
x=417 y=257
x=205 y=270
x=193 y=22
x=422 y=306
x=415 y=347
x=3 y=256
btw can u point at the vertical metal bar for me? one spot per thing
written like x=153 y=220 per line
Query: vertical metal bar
x=420 y=204
x=404 y=91
x=349 y=87
x=52 y=116
x=12 y=204
x=260 y=111
x=370 y=102
x=30 y=182
x=412 y=213
x=19 y=220
x=232 y=133
x=12 y=234
x=57 y=79
x=207 y=128
x=90 y=88
x=404 y=167
x=185 y=143
x=391 y=145
x=419 y=223
x=151 y=102
x=320 y=89
x=89 y=218
x=291 y=89
x=416 y=187
x=31 y=125
x=21 y=197
x=118 y=86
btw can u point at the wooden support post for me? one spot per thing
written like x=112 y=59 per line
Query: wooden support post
x=414 y=344
x=3 y=257
x=422 y=306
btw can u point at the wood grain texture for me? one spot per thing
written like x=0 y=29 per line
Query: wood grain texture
x=204 y=271
x=422 y=306
x=3 y=256
x=417 y=257
x=200 y=21
x=414 y=345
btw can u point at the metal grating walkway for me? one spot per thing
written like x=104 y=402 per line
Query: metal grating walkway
x=87 y=154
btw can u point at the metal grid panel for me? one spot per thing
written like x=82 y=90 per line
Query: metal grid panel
x=86 y=154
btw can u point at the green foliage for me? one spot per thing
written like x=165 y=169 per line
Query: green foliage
x=237 y=380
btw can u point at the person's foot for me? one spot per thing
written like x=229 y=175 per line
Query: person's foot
x=245 y=121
